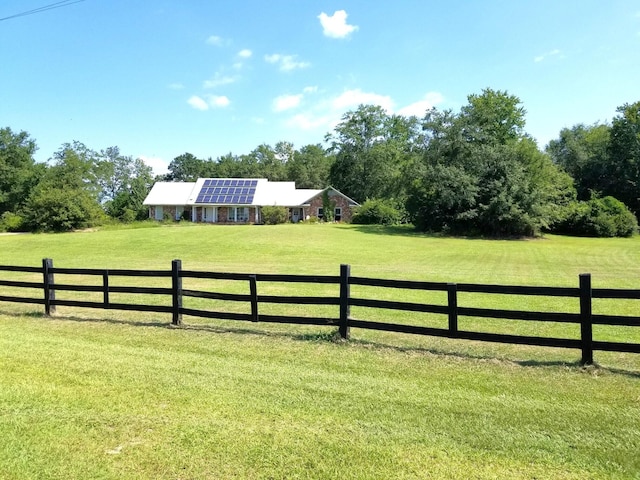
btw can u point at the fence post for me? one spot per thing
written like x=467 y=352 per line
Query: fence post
x=586 y=328
x=253 y=289
x=49 y=286
x=345 y=308
x=452 y=295
x=105 y=288
x=176 y=287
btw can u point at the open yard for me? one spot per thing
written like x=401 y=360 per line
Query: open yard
x=93 y=394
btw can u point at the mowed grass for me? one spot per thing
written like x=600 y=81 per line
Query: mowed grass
x=93 y=394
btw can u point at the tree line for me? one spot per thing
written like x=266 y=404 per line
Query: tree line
x=471 y=172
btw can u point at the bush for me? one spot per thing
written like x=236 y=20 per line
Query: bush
x=274 y=215
x=61 y=210
x=11 y=222
x=378 y=212
x=598 y=217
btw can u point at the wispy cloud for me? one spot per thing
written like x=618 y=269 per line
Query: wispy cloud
x=327 y=112
x=245 y=53
x=176 y=86
x=218 y=80
x=286 y=102
x=419 y=108
x=286 y=63
x=209 y=102
x=336 y=26
x=217 y=41
x=544 y=56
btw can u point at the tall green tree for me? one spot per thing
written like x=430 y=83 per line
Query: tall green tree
x=624 y=151
x=481 y=174
x=188 y=168
x=129 y=185
x=371 y=148
x=309 y=167
x=19 y=173
x=67 y=197
x=583 y=151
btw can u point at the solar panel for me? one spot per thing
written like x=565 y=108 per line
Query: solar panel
x=227 y=191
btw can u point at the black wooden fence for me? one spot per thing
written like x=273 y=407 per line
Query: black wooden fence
x=344 y=322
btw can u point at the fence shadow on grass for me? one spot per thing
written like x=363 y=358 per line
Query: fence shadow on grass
x=332 y=337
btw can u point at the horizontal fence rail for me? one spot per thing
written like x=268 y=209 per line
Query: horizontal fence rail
x=451 y=309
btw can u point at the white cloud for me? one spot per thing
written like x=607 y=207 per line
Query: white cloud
x=353 y=98
x=158 y=165
x=218 y=101
x=218 y=80
x=198 y=103
x=420 y=107
x=313 y=89
x=210 y=101
x=176 y=86
x=286 y=63
x=327 y=112
x=336 y=26
x=245 y=53
x=216 y=41
x=308 y=121
x=544 y=56
x=286 y=102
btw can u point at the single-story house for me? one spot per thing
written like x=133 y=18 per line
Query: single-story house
x=239 y=200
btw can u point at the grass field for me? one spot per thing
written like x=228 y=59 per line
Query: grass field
x=92 y=394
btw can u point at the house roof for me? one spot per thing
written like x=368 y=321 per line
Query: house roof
x=281 y=194
x=169 y=193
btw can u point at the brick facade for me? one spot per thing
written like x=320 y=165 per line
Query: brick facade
x=196 y=213
x=340 y=202
x=169 y=212
x=222 y=215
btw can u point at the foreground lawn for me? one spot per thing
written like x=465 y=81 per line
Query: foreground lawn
x=92 y=394
x=99 y=399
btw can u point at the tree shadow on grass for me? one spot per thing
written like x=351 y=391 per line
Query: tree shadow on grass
x=410 y=231
x=333 y=336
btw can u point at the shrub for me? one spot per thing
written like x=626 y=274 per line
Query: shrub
x=272 y=215
x=598 y=217
x=11 y=222
x=378 y=212
x=61 y=210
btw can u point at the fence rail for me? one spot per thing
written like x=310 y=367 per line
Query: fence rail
x=344 y=321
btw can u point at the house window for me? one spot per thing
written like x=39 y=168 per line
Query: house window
x=159 y=213
x=179 y=212
x=242 y=214
x=238 y=214
x=337 y=214
x=320 y=213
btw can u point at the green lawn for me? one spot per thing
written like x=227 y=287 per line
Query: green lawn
x=92 y=394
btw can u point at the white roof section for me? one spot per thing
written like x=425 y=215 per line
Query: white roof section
x=170 y=193
x=280 y=194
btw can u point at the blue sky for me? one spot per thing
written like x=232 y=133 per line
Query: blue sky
x=162 y=78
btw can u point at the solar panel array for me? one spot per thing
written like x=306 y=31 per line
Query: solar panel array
x=227 y=191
